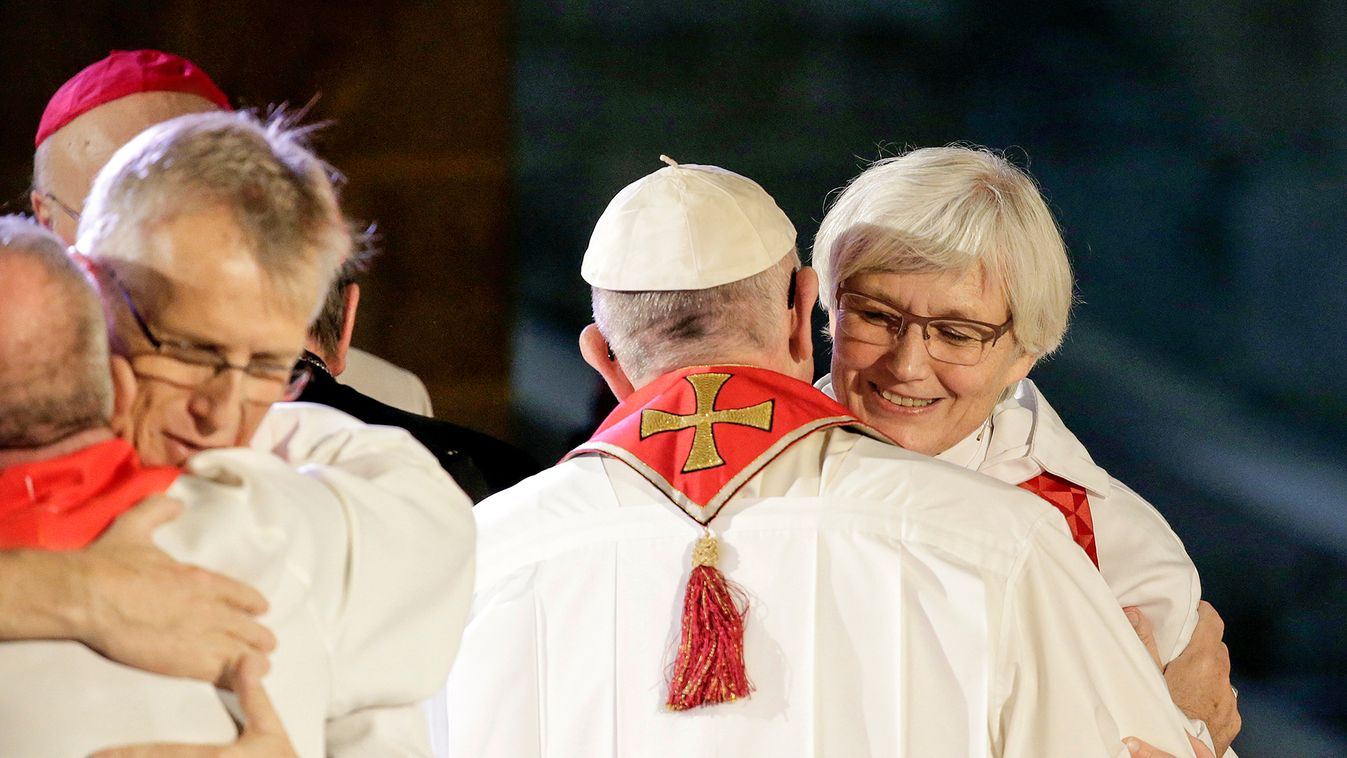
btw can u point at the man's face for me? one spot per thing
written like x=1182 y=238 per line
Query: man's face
x=215 y=307
x=76 y=151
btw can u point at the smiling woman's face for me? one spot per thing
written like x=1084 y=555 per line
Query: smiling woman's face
x=925 y=405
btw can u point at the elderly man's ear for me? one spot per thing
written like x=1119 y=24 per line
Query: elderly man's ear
x=352 y=296
x=600 y=357
x=336 y=361
x=123 y=395
x=41 y=210
x=801 y=341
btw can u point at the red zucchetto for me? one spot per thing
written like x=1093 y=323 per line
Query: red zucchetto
x=122 y=73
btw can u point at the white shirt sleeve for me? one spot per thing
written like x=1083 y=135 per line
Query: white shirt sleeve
x=1072 y=677
x=407 y=579
x=1146 y=565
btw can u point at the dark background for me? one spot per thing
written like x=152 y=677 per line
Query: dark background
x=1193 y=152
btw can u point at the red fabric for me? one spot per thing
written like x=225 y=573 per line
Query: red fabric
x=122 y=73
x=64 y=503
x=709 y=668
x=1074 y=504
x=702 y=433
x=793 y=406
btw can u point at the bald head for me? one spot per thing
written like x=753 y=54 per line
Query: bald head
x=66 y=163
x=54 y=378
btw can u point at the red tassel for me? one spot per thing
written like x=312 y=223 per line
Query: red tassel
x=709 y=668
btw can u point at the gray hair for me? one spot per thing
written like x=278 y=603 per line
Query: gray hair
x=54 y=378
x=653 y=333
x=280 y=194
x=950 y=209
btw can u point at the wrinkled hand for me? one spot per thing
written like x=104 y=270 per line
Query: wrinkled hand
x=1139 y=749
x=146 y=610
x=263 y=734
x=1199 y=678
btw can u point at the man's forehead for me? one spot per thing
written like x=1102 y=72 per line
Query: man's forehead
x=198 y=241
x=202 y=252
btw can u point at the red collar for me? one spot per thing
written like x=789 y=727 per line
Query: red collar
x=700 y=433
x=64 y=503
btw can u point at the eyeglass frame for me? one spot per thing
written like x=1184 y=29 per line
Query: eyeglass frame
x=66 y=209
x=300 y=373
x=908 y=319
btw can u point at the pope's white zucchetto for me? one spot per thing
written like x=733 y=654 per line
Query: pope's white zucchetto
x=686 y=227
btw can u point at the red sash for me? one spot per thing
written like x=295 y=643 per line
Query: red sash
x=65 y=503
x=699 y=434
x=1074 y=504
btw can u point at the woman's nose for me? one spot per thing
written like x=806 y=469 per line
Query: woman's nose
x=908 y=353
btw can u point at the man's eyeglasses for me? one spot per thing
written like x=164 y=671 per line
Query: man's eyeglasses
x=67 y=210
x=189 y=365
x=874 y=321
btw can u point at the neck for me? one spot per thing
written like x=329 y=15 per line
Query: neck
x=779 y=364
x=64 y=446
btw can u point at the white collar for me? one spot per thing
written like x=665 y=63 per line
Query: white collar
x=1026 y=437
x=1030 y=438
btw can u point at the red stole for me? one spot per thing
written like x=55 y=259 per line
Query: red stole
x=699 y=434
x=1074 y=504
x=65 y=503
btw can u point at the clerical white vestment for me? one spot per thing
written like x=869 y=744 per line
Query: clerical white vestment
x=898 y=606
x=364 y=553
x=386 y=382
x=1140 y=557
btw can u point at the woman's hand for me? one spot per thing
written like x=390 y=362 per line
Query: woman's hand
x=1199 y=678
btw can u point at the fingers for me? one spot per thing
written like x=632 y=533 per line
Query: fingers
x=228 y=653
x=242 y=596
x=259 y=715
x=140 y=522
x=256 y=637
x=1142 y=626
x=231 y=592
x=1209 y=622
x=1139 y=749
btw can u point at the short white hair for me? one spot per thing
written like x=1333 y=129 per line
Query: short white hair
x=950 y=209
x=281 y=196
x=652 y=333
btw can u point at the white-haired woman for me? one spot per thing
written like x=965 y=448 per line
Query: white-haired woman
x=945 y=279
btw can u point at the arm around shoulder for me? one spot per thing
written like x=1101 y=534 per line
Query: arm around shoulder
x=1072 y=677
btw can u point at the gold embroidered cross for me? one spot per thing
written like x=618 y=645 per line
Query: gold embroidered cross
x=706 y=388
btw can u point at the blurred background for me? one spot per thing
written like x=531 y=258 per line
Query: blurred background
x=1195 y=154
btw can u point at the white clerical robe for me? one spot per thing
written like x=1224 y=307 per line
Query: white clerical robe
x=1140 y=557
x=386 y=382
x=364 y=553
x=898 y=606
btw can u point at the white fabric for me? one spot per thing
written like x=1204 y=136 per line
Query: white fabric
x=426 y=565
x=388 y=383
x=364 y=554
x=1140 y=557
x=686 y=227
x=898 y=607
